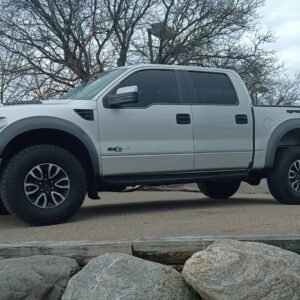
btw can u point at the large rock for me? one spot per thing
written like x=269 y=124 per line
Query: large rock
x=123 y=277
x=230 y=269
x=36 y=277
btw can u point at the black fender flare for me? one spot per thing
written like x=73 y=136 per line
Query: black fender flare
x=275 y=138
x=35 y=123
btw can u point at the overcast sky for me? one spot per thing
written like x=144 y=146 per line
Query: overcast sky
x=283 y=18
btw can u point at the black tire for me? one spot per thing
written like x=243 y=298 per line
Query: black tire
x=278 y=178
x=219 y=190
x=69 y=185
x=3 y=210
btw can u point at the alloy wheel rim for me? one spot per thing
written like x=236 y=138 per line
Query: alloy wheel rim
x=47 y=185
x=294 y=176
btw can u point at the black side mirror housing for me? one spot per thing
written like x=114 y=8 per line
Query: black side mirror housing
x=126 y=95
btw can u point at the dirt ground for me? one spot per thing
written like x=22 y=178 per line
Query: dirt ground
x=165 y=213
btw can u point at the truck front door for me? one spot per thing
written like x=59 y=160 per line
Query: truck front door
x=151 y=136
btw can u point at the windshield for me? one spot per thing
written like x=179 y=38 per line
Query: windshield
x=88 y=90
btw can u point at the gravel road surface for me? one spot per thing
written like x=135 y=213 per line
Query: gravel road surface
x=165 y=213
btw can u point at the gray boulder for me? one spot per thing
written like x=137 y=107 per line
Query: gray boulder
x=36 y=277
x=230 y=269
x=120 y=276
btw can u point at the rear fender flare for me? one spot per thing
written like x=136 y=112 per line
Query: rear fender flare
x=275 y=138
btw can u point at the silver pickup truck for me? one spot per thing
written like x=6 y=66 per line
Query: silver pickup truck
x=144 y=125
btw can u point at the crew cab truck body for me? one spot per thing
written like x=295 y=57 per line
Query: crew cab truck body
x=144 y=125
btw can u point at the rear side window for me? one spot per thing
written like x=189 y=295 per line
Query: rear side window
x=213 y=88
x=155 y=87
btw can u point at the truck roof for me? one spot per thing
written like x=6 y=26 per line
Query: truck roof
x=178 y=67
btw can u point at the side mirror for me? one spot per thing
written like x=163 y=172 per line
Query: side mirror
x=125 y=95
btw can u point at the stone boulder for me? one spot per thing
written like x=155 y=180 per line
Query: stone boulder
x=123 y=277
x=36 y=277
x=230 y=269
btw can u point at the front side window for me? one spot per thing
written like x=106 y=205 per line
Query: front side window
x=154 y=87
x=213 y=88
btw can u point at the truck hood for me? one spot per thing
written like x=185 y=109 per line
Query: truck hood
x=50 y=101
x=57 y=101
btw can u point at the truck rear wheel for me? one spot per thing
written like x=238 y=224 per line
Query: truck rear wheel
x=284 y=178
x=3 y=210
x=219 y=190
x=43 y=185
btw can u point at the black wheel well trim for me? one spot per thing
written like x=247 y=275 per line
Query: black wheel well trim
x=275 y=138
x=53 y=123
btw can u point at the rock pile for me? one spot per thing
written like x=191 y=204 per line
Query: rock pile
x=227 y=269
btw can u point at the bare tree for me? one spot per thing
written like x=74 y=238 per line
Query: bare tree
x=283 y=90
x=58 y=43
x=196 y=31
x=12 y=71
x=130 y=16
x=57 y=36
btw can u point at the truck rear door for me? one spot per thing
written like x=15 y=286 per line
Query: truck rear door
x=222 y=122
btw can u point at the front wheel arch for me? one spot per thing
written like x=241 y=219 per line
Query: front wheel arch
x=53 y=131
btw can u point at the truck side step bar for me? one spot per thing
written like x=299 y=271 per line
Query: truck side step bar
x=174 y=178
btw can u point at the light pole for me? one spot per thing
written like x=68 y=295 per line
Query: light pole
x=161 y=31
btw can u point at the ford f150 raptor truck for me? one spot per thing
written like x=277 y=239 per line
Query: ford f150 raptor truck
x=144 y=125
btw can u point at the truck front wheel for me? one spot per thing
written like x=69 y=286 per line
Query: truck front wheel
x=284 y=178
x=43 y=185
x=219 y=190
